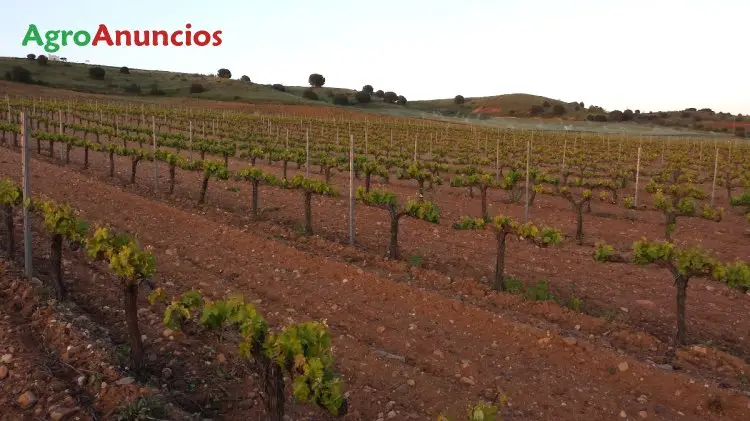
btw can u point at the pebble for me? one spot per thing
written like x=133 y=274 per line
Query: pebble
x=570 y=341
x=80 y=381
x=3 y=371
x=467 y=380
x=623 y=366
x=665 y=367
x=380 y=329
x=411 y=382
x=126 y=381
x=166 y=373
x=642 y=399
x=643 y=414
x=623 y=414
x=167 y=332
x=6 y=358
x=438 y=353
x=544 y=341
x=27 y=400
x=391 y=415
x=60 y=414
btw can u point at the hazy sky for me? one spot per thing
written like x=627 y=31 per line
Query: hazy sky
x=641 y=54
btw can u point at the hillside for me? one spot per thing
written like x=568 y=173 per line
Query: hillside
x=157 y=83
x=517 y=105
x=142 y=84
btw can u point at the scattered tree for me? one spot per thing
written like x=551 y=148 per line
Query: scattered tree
x=363 y=97
x=379 y=93
x=124 y=70
x=401 y=100
x=316 y=80
x=196 y=88
x=368 y=89
x=279 y=87
x=558 y=110
x=546 y=104
x=224 y=73
x=390 y=97
x=31 y=56
x=459 y=99
x=245 y=78
x=42 y=60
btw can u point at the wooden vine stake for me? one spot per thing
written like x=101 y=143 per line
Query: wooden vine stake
x=528 y=162
x=637 y=177
x=190 y=140
x=713 y=184
x=25 y=155
x=156 y=161
x=352 y=197
x=307 y=152
x=497 y=160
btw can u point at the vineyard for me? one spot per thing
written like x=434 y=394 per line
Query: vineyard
x=358 y=266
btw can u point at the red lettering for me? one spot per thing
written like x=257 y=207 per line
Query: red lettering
x=164 y=36
x=204 y=34
x=102 y=34
x=188 y=35
x=119 y=35
x=217 y=39
x=137 y=39
x=173 y=38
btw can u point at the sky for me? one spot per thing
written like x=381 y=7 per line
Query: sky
x=647 y=55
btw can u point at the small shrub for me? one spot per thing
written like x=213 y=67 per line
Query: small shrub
x=245 y=78
x=459 y=99
x=19 y=74
x=224 y=73
x=196 y=88
x=279 y=87
x=558 y=110
x=546 y=104
x=603 y=252
x=132 y=89
x=310 y=94
x=539 y=292
x=629 y=202
x=416 y=260
x=124 y=70
x=156 y=91
x=575 y=304
x=341 y=99
x=31 y=56
x=536 y=110
x=42 y=60
x=96 y=73
x=514 y=286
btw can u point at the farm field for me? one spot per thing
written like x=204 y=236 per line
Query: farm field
x=424 y=333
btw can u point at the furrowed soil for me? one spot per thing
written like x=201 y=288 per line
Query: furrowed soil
x=420 y=341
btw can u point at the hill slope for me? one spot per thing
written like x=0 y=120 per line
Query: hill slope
x=499 y=105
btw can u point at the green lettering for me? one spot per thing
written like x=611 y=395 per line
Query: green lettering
x=32 y=34
x=51 y=46
x=86 y=38
x=65 y=35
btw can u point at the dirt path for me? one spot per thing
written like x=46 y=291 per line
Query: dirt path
x=448 y=353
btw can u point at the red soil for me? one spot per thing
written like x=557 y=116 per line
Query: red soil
x=454 y=350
